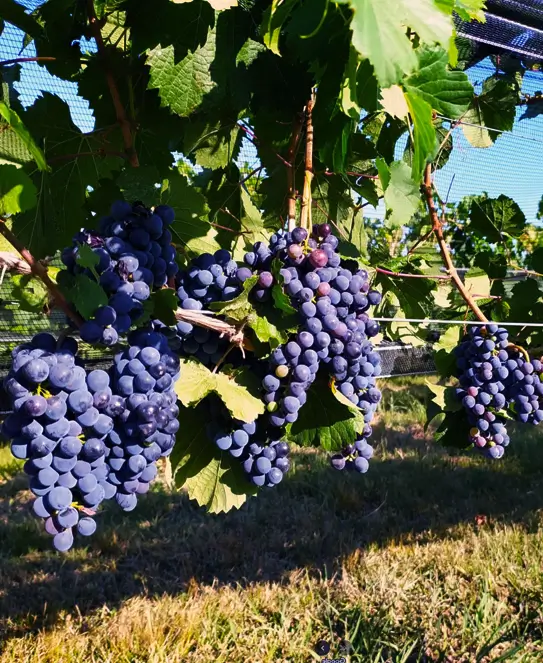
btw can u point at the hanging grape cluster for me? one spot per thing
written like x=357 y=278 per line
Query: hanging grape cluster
x=497 y=383
x=94 y=435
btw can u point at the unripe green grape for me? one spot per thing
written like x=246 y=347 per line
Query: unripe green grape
x=281 y=371
x=272 y=407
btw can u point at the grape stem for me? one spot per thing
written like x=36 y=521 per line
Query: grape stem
x=291 y=170
x=40 y=270
x=126 y=129
x=209 y=321
x=520 y=349
x=443 y=248
x=305 y=216
x=10 y=261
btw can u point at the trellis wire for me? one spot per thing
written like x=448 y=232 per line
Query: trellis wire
x=426 y=321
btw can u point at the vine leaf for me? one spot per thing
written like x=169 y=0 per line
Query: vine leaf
x=30 y=292
x=17 y=191
x=81 y=291
x=165 y=304
x=447 y=92
x=18 y=127
x=494 y=217
x=190 y=227
x=402 y=197
x=140 y=184
x=495 y=108
x=197 y=382
x=424 y=133
x=325 y=421
x=239 y=308
x=182 y=86
x=212 y=478
x=273 y=19
x=379 y=33
x=467 y=10
x=445 y=397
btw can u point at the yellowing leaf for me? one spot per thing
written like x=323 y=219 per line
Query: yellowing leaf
x=393 y=101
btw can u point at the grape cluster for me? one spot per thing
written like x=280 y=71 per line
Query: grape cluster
x=134 y=252
x=59 y=422
x=355 y=456
x=265 y=465
x=144 y=377
x=496 y=383
x=333 y=302
x=209 y=278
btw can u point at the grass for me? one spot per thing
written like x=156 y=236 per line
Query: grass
x=429 y=557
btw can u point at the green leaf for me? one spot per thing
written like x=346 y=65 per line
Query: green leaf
x=211 y=477
x=325 y=421
x=384 y=172
x=182 y=86
x=14 y=12
x=211 y=144
x=272 y=21
x=197 y=382
x=240 y=308
x=165 y=304
x=367 y=87
x=495 y=108
x=467 y=10
x=17 y=125
x=252 y=222
x=86 y=257
x=17 y=191
x=266 y=331
x=402 y=196
x=445 y=363
x=30 y=292
x=282 y=300
x=454 y=431
x=78 y=161
x=445 y=397
x=379 y=33
x=424 y=134
x=493 y=218
x=353 y=240
x=190 y=228
x=84 y=293
x=139 y=184
x=447 y=92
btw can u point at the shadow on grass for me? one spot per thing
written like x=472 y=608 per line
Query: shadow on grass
x=311 y=522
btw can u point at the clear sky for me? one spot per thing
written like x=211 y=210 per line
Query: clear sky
x=512 y=166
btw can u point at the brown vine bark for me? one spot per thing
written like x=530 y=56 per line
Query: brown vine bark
x=39 y=270
x=305 y=216
x=126 y=128
x=291 y=170
x=443 y=248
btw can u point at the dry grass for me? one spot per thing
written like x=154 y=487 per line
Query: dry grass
x=429 y=557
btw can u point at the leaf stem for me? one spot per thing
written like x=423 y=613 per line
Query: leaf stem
x=126 y=128
x=305 y=216
x=39 y=270
x=443 y=248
